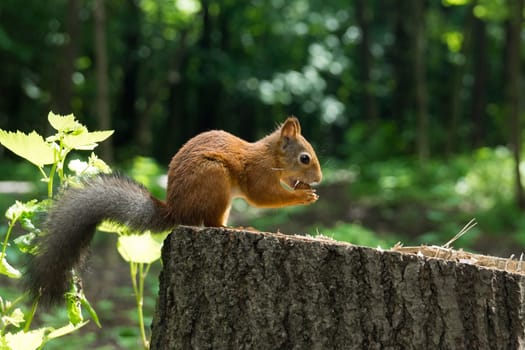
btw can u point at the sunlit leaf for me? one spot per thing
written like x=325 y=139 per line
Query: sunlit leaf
x=15 y=318
x=98 y=164
x=143 y=248
x=8 y=270
x=160 y=237
x=93 y=166
x=26 y=340
x=4 y=305
x=86 y=140
x=65 y=123
x=3 y=344
x=112 y=227
x=19 y=209
x=31 y=146
x=77 y=166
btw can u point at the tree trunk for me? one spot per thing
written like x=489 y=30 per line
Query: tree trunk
x=363 y=14
x=480 y=87
x=420 y=81
x=458 y=71
x=177 y=96
x=209 y=89
x=408 y=57
x=231 y=289
x=402 y=58
x=136 y=128
x=63 y=89
x=101 y=62
x=513 y=88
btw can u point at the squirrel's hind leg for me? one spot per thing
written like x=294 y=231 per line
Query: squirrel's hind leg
x=204 y=195
x=218 y=199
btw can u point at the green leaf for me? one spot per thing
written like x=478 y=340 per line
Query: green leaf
x=31 y=146
x=21 y=209
x=27 y=224
x=4 y=305
x=26 y=340
x=141 y=248
x=99 y=164
x=25 y=243
x=93 y=166
x=16 y=318
x=86 y=140
x=85 y=303
x=75 y=299
x=74 y=310
x=8 y=270
x=36 y=338
x=65 y=123
x=113 y=227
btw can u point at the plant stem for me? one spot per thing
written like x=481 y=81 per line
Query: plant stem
x=31 y=316
x=9 y=229
x=50 y=181
x=139 y=296
x=140 y=310
x=45 y=178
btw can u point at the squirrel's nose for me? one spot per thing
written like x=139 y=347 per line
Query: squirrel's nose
x=318 y=176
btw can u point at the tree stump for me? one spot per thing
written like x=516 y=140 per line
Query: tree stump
x=232 y=289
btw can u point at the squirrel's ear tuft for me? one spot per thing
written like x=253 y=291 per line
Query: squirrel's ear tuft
x=291 y=127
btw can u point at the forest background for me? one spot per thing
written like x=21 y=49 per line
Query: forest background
x=415 y=107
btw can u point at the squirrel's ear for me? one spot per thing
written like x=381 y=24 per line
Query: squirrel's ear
x=291 y=127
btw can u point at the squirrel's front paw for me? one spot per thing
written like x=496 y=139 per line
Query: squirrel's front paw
x=309 y=196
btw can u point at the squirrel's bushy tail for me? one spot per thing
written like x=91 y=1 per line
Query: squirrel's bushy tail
x=70 y=226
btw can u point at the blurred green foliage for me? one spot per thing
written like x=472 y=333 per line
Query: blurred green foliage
x=177 y=67
x=358 y=235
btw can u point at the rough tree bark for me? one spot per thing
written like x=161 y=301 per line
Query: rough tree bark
x=231 y=289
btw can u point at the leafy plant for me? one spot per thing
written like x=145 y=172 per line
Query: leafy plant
x=49 y=156
x=139 y=249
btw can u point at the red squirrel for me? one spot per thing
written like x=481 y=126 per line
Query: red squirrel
x=204 y=176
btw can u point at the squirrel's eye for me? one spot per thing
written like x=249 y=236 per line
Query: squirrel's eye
x=304 y=158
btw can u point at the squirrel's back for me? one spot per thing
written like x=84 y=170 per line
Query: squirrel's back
x=202 y=178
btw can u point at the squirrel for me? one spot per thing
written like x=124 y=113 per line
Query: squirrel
x=204 y=176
